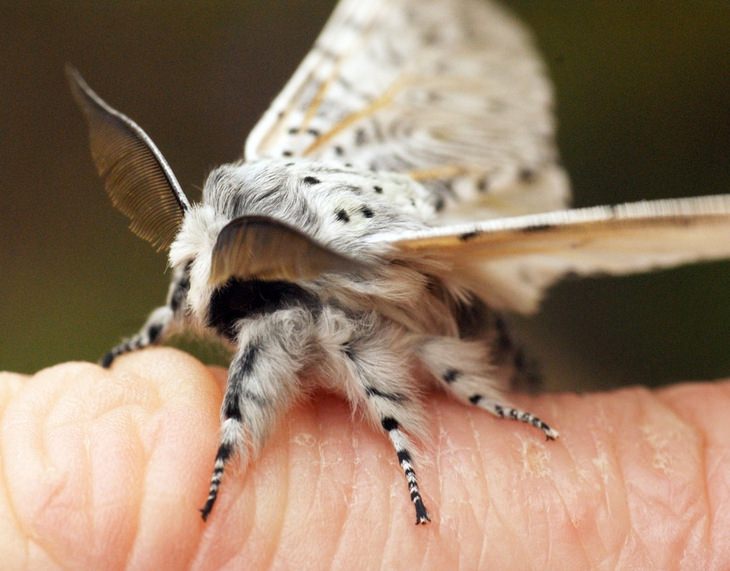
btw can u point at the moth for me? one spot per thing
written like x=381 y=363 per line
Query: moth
x=399 y=197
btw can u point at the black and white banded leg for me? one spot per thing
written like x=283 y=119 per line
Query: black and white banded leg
x=160 y=321
x=389 y=398
x=152 y=332
x=512 y=413
x=463 y=371
x=262 y=382
x=401 y=445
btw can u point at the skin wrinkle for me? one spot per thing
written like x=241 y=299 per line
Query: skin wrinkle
x=658 y=414
x=701 y=439
x=46 y=546
x=388 y=535
x=218 y=376
x=357 y=459
x=483 y=478
x=332 y=555
x=281 y=520
x=577 y=535
x=604 y=479
x=437 y=546
x=137 y=508
x=568 y=451
x=147 y=452
x=61 y=484
x=435 y=444
x=698 y=517
x=633 y=538
x=347 y=490
x=469 y=481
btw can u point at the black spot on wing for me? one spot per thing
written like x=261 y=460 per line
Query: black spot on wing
x=367 y=211
x=342 y=215
x=310 y=180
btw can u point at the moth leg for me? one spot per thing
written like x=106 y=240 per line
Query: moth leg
x=152 y=332
x=463 y=370
x=262 y=382
x=512 y=413
x=160 y=321
x=401 y=445
x=390 y=400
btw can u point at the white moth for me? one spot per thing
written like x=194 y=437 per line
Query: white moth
x=344 y=246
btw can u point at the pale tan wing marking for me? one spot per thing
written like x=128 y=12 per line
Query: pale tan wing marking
x=450 y=92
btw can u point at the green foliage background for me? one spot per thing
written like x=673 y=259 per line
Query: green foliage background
x=643 y=94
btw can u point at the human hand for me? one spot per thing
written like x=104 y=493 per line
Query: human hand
x=107 y=469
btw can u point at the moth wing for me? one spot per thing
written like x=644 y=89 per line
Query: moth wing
x=510 y=262
x=451 y=93
x=259 y=247
x=136 y=176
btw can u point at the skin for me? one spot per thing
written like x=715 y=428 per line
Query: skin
x=106 y=469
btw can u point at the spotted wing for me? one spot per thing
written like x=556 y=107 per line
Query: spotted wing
x=137 y=177
x=511 y=261
x=449 y=92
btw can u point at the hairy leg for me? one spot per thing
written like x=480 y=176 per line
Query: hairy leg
x=370 y=361
x=160 y=322
x=262 y=382
x=463 y=370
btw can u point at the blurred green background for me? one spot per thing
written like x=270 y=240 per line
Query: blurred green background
x=643 y=95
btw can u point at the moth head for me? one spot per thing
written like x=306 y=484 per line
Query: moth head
x=136 y=176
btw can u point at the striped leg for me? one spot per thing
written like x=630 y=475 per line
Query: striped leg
x=400 y=443
x=463 y=369
x=159 y=322
x=385 y=388
x=152 y=332
x=512 y=413
x=262 y=381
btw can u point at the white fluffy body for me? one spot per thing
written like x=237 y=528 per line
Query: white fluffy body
x=405 y=117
